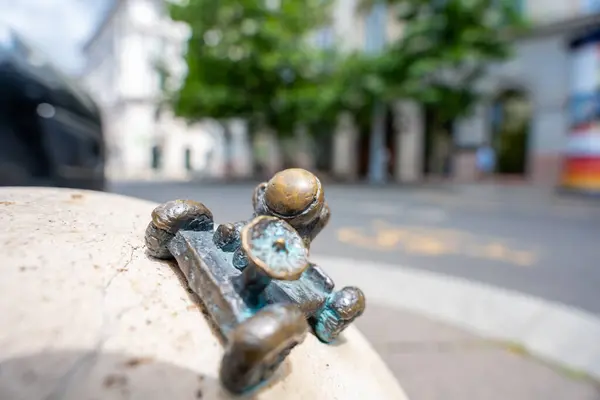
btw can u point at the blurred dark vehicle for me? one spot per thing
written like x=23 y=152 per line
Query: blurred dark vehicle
x=50 y=130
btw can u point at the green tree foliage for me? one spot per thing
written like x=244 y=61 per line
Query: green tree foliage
x=443 y=51
x=251 y=59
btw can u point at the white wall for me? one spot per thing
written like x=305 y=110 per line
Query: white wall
x=138 y=78
x=541 y=67
x=122 y=77
x=348 y=24
x=241 y=148
x=136 y=130
x=177 y=138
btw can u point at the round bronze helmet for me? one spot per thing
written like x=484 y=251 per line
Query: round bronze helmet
x=293 y=193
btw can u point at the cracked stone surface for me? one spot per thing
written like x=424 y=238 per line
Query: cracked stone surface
x=85 y=314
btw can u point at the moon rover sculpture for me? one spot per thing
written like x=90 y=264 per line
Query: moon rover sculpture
x=254 y=277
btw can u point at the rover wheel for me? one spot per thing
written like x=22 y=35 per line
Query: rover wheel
x=172 y=216
x=259 y=345
x=340 y=310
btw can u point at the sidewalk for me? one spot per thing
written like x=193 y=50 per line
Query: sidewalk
x=434 y=361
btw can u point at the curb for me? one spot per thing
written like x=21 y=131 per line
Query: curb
x=551 y=331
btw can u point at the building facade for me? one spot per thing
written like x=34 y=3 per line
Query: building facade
x=403 y=130
x=133 y=41
x=542 y=74
x=534 y=88
x=528 y=97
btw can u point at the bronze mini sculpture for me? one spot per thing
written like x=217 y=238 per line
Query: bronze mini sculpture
x=254 y=276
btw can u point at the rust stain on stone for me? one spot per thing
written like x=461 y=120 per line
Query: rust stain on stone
x=115 y=380
x=137 y=361
x=7 y=203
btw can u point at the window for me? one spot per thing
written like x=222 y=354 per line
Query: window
x=156 y=157
x=188 y=159
x=325 y=38
x=273 y=5
x=517 y=5
x=375 y=28
x=590 y=6
x=520 y=6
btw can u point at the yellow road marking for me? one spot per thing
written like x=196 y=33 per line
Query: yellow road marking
x=430 y=246
x=354 y=236
x=426 y=241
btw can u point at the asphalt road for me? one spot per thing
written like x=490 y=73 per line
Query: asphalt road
x=549 y=249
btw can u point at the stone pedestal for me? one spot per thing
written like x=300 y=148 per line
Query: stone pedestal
x=85 y=314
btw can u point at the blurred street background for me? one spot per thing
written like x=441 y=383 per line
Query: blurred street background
x=458 y=142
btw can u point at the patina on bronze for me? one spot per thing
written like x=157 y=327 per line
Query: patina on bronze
x=254 y=276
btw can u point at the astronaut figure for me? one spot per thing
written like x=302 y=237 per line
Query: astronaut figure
x=296 y=196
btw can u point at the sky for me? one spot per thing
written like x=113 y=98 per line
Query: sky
x=57 y=27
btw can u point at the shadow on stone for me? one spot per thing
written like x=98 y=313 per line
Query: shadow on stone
x=90 y=375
